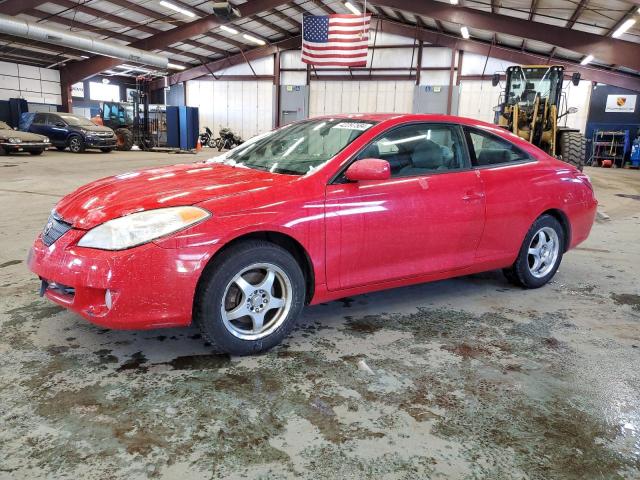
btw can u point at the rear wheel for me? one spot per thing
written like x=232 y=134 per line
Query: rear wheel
x=540 y=254
x=124 y=139
x=76 y=144
x=249 y=298
x=573 y=147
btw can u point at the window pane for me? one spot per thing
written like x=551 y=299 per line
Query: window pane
x=419 y=149
x=491 y=150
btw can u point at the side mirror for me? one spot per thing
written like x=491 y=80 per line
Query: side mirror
x=495 y=80
x=571 y=110
x=368 y=169
x=575 y=78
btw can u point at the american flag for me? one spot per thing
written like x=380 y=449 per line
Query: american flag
x=337 y=40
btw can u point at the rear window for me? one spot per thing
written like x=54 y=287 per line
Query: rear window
x=488 y=149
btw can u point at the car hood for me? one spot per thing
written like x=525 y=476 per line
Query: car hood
x=178 y=185
x=95 y=128
x=24 y=136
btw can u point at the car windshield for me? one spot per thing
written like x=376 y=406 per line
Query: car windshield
x=4 y=126
x=298 y=148
x=77 y=121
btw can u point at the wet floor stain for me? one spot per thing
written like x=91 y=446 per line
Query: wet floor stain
x=10 y=263
x=628 y=195
x=497 y=395
x=627 y=299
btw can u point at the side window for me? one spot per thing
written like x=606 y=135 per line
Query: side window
x=419 y=149
x=53 y=119
x=39 y=119
x=489 y=149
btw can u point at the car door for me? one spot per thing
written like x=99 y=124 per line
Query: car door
x=428 y=217
x=58 y=129
x=506 y=172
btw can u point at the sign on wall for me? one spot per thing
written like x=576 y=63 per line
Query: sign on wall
x=77 y=90
x=621 y=103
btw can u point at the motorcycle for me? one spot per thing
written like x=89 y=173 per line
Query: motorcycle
x=206 y=137
x=227 y=139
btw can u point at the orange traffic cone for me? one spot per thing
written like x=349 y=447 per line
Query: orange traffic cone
x=198 y=145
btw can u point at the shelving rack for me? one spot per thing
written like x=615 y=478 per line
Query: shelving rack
x=609 y=145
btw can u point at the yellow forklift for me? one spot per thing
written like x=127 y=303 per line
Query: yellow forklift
x=532 y=105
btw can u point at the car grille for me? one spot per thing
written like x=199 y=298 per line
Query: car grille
x=54 y=229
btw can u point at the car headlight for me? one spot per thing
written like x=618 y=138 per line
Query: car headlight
x=142 y=227
x=14 y=140
x=45 y=140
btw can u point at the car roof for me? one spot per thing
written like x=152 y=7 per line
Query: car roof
x=408 y=117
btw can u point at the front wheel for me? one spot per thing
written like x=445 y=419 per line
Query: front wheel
x=249 y=299
x=540 y=254
x=76 y=144
x=124 y=139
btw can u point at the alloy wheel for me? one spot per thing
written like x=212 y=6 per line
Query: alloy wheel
x=543 y=253
x=74 y=144
x=256 y=301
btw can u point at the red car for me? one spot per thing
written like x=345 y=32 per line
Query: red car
x=313 y=211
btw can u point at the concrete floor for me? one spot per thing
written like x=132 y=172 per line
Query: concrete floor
x=465 y=378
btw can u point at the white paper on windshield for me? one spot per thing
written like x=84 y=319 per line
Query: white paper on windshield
x=352 y=125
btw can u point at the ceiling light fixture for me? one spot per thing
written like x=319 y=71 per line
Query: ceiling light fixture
x=175 y=67
x=230 y=30
x=453 y=2
x=586 y=60
x=176 y=8
x=465 y=32
x=623 y=28
x=253 y=39
x=353 y=8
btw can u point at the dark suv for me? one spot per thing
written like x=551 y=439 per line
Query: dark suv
x=78 y=133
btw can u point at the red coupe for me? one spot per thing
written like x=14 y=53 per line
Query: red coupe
x=313 y=211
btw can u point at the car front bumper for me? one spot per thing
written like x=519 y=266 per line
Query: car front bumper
x=145 y=287
x=24 y=146
x=99 y=142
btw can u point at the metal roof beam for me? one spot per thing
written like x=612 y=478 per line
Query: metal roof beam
x=606 y=49
x=576 y=13
x=81 y=70
x=14 y=7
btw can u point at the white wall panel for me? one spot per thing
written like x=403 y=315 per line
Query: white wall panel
x=262 y=66
x=9 y=69
x=27 y=71
x=477 y=99
x=474 y=64
x=396 y=57
x=30 y=85
x=293 y=78
x=24 y=81
x=438 y=57
x=579 y=97
x=367 y=96
x=50 y=75
x=292 y=59
x=9 y=82
x=430 y=77
x=246 y=107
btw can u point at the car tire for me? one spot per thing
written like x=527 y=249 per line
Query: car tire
x=573 y=146
x=106 y=150
x=36 y=152
x=540 y=254
x=125 y=139
x=61 y=149
x=249 y=298
x=76 y=144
